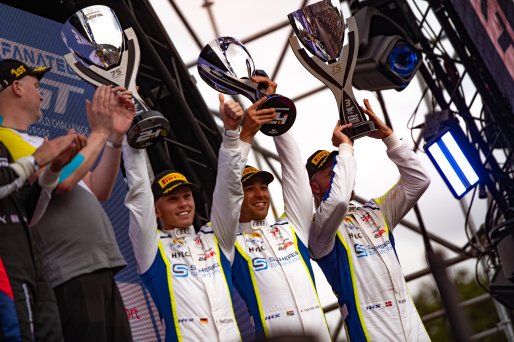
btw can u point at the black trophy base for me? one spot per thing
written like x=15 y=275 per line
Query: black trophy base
x=285 y=115
x=360 y=129
x=148 y=128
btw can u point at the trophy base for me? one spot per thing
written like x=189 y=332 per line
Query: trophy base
x=360 y=129
x=285 y=115
x=148 y=128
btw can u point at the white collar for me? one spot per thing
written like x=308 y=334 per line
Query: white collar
x=180 y=233
x=245 y=227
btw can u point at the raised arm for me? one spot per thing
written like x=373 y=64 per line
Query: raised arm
x=414 y=180
x=334 y=202
x=295 y=185
x=140 y=202
x=110 y=114
x=228 y=192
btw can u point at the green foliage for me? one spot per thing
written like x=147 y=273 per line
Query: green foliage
x=482 y=316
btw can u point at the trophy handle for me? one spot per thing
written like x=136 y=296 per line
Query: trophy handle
x=247 y=88
x=124 y=74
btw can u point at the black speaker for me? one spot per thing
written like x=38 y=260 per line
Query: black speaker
x=502 y=289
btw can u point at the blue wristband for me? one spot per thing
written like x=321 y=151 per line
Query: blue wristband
x=71 y=167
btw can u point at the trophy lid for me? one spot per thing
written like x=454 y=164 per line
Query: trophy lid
x=95 y=35
x=320 y=29
x=225 y=56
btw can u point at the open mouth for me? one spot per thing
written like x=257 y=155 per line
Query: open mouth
x=259 y=204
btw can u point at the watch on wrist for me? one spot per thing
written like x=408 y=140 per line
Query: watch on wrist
x=232 y=133
x=113 y=145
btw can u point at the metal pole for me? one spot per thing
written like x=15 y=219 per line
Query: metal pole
x=459 y=325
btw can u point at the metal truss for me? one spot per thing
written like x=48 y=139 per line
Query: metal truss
x=446 y=48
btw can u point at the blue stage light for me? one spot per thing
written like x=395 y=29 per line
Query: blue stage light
x=455 y=159
x=403 y=59
x=387 y=57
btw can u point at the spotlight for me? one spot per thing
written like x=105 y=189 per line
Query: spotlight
x=454 y=157
x=403 y=59
x=387 y=59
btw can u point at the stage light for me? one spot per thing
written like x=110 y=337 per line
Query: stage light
x=387 y=58
x=454 y=157
x=403 y=59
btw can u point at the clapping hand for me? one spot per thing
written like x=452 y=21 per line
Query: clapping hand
x=75 y=143
x=123 y=112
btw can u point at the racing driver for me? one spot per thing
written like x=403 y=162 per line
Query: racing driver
x=354 y=245
x=188 y=274
x=272 y=269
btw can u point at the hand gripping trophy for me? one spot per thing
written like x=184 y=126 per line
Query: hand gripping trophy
x=100 y=55
x=320 y=29
x=225 y=65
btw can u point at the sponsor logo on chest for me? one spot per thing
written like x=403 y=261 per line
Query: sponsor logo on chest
x=282 y=243
x=370 y=250
x=185 y=270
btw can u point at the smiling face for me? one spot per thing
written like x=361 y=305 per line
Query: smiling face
x=256 y=201
x=177 y=208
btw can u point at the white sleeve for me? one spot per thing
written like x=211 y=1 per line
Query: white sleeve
x=330 y=214
x=414 y=180
x=17 y=173
x=139 y=201
x=245 y=149
x=297 y=194
x=48 y=181
x=228 y=195
x=24 y=168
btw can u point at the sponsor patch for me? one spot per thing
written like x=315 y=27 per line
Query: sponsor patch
x=319 y=157
x=170 y=178
x=19 y=71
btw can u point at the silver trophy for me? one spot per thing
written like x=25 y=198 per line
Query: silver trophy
x=102 y=53
x=320 y=28
x=226 y=65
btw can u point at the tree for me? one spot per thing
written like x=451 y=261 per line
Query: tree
x=482 y=316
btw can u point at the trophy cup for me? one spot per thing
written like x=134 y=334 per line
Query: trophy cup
x=320 y=29
x=100 y=55
x=226 y=65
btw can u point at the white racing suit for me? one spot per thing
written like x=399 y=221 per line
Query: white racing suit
x=272 y=269
x=357 y=253
x=188 y=274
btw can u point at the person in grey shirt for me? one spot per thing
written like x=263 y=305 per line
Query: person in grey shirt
x=75 y=238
